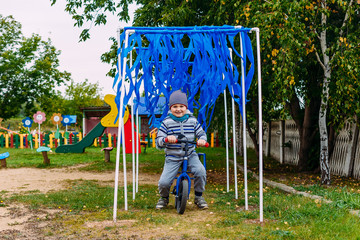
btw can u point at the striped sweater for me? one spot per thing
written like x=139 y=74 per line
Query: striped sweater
x=191 y=128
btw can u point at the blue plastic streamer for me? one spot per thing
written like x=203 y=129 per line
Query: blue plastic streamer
x=196 y=60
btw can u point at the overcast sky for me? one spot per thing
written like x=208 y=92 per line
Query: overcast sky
x=81 y=59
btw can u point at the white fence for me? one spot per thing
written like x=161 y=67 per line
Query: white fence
x=282 y=142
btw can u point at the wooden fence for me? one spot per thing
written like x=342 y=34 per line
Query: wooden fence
x=282 y=142
x=106 y=140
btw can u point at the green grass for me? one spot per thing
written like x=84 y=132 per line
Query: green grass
x=286 y=216
x=342 y=197
x=30 y=158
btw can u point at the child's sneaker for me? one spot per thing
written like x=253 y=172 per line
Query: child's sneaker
x=201 y=203
x=162 y=203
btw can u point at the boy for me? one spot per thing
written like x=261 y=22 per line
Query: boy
x=180 y=121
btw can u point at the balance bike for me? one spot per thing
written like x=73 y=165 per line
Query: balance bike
x=183 y=183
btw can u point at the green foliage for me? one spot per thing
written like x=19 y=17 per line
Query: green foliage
x=77 y=96
x=83 y=94
x=292 y=34
x=28 y=69
x=95 y=13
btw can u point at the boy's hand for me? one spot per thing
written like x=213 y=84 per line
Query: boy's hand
x=201 y=143
x=171 y=139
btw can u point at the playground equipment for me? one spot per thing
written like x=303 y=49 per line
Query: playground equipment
x=98 y=130
x=3 y=158
x=44 y=151
x=203 y=68
x=107 y=151
x=27 y=122
x=183 y=184
x=56 y=119
x=39 y=117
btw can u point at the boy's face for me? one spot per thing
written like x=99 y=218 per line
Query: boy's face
x=178 y=110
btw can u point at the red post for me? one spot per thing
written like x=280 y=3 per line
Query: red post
x=26 y=141
x=12 y=140
x=114 y=140
x=70 y=138
x=41 y=139
x=55 y=142
x=100 y=141
x=143 y=136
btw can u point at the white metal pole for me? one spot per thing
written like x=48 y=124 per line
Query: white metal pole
x=120 y=126
x=137 y=150
x=260 y=126
x=244 y=122
x=133 y=150
x=234 y=141
x=84 y=127
x=132 y=137
x=117 y=152
x=124 y=162
x=122 y=123
x=226 y=143
x=39 y=136
x=234 y=146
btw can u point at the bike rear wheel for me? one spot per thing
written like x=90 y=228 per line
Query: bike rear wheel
x=182 y=196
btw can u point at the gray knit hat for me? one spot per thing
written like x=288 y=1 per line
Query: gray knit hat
x=178 y=97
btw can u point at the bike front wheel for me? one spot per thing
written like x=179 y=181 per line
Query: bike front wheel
x=182 y=196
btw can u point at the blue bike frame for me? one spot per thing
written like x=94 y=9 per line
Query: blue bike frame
x=184 y=173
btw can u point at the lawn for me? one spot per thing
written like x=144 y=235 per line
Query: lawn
x=85 y=209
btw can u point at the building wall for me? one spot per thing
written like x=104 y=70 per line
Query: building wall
x=93 y=121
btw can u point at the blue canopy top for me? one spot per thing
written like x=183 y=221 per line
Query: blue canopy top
x=197 y=60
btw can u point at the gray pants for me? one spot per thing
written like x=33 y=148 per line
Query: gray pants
x=171 y=168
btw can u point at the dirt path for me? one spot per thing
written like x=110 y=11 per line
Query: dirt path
x=15 y=220
x=44 y=180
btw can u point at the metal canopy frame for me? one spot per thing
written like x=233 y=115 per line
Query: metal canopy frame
x=136 y=166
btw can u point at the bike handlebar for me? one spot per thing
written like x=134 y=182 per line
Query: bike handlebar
x=185 y=141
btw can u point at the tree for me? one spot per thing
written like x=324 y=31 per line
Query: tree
x=291 y=62
x=77 y=95
x=331 y=31
x=28 y=68
x=95 y=12
x=315 y=35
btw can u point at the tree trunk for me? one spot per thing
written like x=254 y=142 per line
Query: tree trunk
x=253 y=134
x=324 y=141
x=305 y=149
x=324 y=144
x=324 y=147
x=306 y=122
